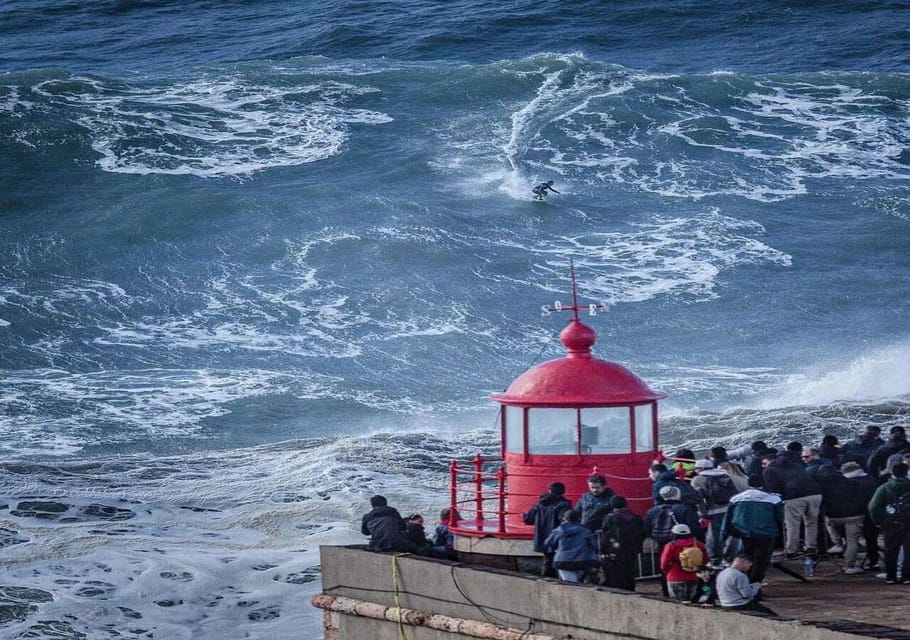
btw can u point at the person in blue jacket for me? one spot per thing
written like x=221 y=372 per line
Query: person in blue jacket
x=574 y=547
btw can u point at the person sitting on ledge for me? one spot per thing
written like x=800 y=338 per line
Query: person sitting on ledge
x=386 y=528
x=735 y=592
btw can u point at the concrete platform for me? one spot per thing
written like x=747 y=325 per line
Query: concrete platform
x=860 y=604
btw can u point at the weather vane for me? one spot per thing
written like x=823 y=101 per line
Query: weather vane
x=592 y=308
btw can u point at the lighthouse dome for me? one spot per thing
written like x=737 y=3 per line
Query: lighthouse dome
x=577 y=379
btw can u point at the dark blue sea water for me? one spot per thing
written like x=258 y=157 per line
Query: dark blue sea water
x=261 y=260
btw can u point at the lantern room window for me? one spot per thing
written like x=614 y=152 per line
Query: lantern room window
x=606 y=430
x=515 y=419
x=569 y=431
x=644 y=427
x=553 y=431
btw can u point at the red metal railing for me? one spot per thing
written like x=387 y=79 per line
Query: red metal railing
x=485 y=481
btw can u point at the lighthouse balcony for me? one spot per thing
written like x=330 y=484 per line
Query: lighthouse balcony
x=489 y=496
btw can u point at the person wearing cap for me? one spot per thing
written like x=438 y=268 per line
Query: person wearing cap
x=680 y=582
x=663 y=476
x=845 y=498
x=756 y=518
x=660 y=518
x=715 y=487
x=897 y=443
x=621 y=541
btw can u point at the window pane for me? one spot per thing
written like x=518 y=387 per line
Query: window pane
x=605 y=430
x=514 y=443
x=644 y=432
x=552 y=431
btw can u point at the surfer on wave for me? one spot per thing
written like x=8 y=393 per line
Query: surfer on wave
x=540 y=191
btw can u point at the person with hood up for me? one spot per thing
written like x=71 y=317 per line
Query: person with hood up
x=546 y=515
x=755 y=517
x=621 y=539
x=573 y=546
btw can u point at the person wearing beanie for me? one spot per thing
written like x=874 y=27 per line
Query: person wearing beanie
x=546 y=515
x=621 y=539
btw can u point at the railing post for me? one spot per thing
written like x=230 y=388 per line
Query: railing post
x=453 y=491
x=478 y=481
x=501 y=477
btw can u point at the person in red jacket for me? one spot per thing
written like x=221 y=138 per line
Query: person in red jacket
x=679 y=563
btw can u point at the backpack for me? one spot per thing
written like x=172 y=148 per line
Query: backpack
x=691 y=558
x=719 y=490
x=662 y=531
x=688 y=494
x=897 y=514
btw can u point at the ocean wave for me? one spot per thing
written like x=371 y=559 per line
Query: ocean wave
x=207 y=127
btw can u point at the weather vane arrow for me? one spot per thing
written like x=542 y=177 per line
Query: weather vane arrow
x=592 y=308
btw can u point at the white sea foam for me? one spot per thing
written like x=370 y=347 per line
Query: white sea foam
x=683 y=136
x=205 y=546
x=675 y=256
x=877 y=374
x=111 y=406
x=212 y=127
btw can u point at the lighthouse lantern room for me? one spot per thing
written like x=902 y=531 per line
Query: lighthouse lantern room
x=562 y=420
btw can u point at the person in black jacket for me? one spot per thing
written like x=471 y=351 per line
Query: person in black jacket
x=896 y=444
x=787 y=477
x=546 y=515
x=386 y=528
x=621 y=539
x=845 y=498
x=861 y=448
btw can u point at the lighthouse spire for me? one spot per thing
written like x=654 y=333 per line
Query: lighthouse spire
x=591 y=308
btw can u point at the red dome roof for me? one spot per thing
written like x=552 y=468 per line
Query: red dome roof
x=578 y=379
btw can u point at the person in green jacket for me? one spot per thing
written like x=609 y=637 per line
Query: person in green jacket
x=890 y=509
x=755 y=517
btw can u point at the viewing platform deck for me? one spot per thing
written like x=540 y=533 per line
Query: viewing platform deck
x=860 y=604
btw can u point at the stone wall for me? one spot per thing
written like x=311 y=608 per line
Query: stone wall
x=504 y=600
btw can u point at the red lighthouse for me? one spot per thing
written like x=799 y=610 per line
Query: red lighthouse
x=564 y=420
